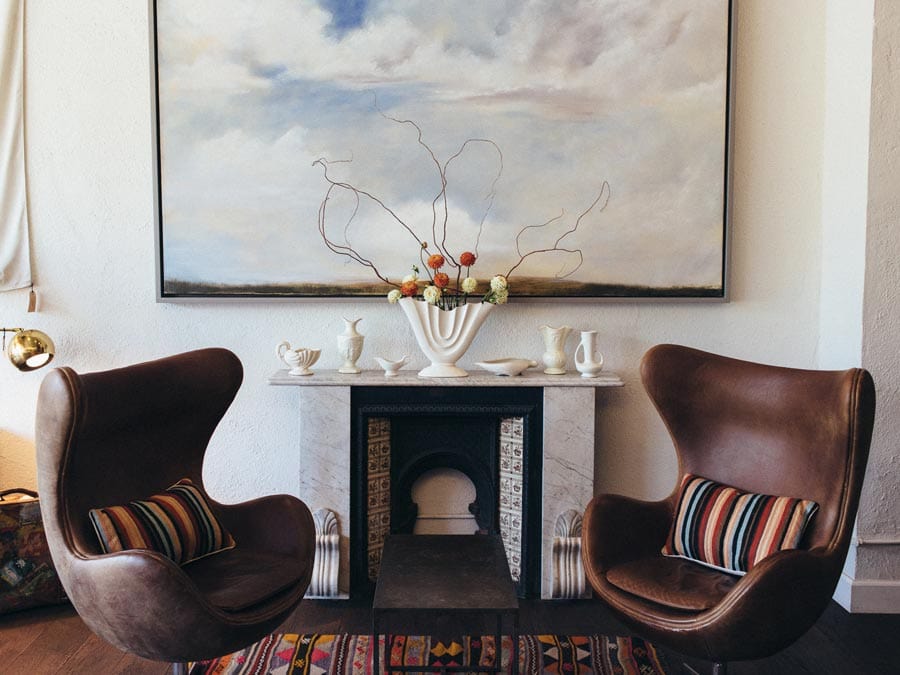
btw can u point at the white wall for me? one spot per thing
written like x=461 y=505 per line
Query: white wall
x=848 y=81
x=89 y=152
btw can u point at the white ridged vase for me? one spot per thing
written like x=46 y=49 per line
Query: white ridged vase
x=444 y=335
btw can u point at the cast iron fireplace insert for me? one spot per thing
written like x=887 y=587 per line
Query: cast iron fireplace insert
x=446 y=427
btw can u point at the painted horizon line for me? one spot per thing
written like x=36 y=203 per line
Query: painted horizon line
x=522 y=287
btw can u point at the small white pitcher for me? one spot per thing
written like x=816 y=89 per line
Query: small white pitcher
x=554 y=356
x=587 y=365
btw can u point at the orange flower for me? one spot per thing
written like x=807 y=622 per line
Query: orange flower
x=409 y=288
x=436 y=261
x=441 y=280
x=467 y=259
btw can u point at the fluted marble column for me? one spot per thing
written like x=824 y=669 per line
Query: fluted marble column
x=325 y=461
x=568 y=474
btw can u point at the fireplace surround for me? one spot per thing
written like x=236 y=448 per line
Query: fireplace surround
x=363 y=439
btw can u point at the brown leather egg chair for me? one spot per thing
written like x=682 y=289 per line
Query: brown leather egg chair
x=762 y=429
x=110 y=437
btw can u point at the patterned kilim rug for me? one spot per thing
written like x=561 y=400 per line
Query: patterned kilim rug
x=291 y=654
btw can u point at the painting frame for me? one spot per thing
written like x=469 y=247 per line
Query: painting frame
x=167 y=292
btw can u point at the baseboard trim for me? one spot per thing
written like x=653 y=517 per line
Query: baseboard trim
x=868 y=596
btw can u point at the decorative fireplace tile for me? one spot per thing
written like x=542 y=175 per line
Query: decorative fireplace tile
x=512 y=451
x=378 y=479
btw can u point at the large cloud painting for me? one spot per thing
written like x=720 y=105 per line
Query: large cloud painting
x=592 y=130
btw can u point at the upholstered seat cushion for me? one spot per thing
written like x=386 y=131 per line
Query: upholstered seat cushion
x=237 y=579
x=673 y=582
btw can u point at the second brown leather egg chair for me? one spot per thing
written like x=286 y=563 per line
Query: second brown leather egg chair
x=763 y=429
x=111 y=437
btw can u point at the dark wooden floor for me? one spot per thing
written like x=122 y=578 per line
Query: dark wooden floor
x=55 y=640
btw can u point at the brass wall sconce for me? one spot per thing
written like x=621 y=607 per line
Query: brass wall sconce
x=28 y=349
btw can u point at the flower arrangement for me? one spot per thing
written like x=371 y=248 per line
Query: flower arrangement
x=437 y=288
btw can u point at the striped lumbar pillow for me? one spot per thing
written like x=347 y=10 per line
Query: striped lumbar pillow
x=725 y=528
x=177 y=523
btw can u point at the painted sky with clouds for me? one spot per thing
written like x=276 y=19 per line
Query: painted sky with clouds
x=574 y=92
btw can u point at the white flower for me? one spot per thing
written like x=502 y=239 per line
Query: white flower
x=431 y=294
x=469 y=284
x=501 y=296
x=394 y=296
x=498 y=283
x=410 y=277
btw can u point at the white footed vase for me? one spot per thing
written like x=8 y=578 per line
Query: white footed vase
x=444 y=335
x=350 y=344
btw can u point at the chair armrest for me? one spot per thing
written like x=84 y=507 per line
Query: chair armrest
x=771 y=606
x=789 y=573
x=276 y=523
x=801 y=582
x=617 y=529
x=139 y=597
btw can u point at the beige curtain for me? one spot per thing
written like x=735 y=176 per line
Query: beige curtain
x=15 y=264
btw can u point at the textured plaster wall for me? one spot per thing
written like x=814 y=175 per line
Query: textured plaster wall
x=878 y=555
x=89 y=152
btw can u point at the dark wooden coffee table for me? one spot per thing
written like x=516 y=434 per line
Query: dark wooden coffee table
x=445 y=574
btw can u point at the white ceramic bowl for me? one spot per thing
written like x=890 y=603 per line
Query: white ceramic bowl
x=509 y=366
x=391 y=367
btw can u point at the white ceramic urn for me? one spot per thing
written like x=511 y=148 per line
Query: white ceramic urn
x=350 y=344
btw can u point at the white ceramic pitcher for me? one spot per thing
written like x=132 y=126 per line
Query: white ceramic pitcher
x=554 y=356
x=590 y=362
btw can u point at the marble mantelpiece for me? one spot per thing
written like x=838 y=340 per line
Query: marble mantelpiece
x=409 y=378
x=569 y=409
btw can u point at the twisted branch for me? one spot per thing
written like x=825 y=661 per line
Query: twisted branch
x=348 y=250
x=440 y=240
x=604 y=195
x=439 y=225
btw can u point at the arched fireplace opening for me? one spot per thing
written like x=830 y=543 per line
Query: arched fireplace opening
x=404 y=510
x=445 y=501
